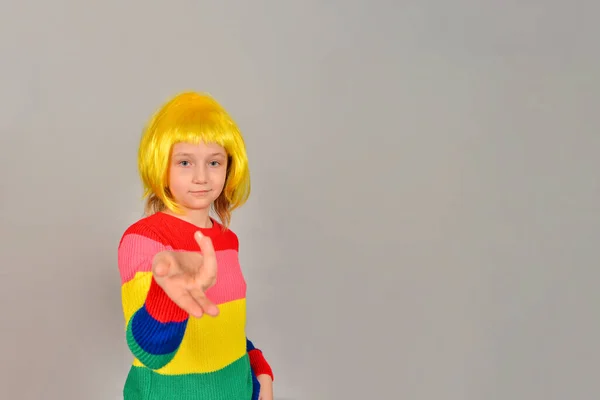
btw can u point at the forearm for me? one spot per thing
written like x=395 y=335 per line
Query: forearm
x=155 y=331
x=155 y=324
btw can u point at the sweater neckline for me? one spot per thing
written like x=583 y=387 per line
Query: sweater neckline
x=214 y=230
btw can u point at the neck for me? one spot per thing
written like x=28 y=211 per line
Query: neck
x=200 y=218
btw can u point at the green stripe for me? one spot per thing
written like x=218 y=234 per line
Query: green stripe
x=233 y=382
x=150 y=360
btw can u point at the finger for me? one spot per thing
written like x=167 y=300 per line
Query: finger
x=206 y=246
x=161 y=270
x=208 y=307
x=207 y=274
x=189 y=305
x=161 y=265
x=208 y=271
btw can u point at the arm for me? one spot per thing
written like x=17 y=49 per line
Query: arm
x=259 y=364
x=155 y=324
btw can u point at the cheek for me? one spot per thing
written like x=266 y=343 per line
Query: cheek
x=219 y=177
x=176 y=181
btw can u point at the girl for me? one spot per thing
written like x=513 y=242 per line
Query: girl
x=183 y=292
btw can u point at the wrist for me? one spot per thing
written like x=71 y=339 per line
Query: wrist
x=265 y=380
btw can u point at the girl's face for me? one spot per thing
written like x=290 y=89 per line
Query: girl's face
x=197 y=174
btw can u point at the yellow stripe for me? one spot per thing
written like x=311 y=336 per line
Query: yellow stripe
x=133 y=294
x=209 y=344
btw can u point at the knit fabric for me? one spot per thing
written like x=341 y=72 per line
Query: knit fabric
x=177 y=356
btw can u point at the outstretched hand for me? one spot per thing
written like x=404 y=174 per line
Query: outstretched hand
x=185 y=276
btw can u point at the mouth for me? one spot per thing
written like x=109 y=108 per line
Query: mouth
x=199 y=192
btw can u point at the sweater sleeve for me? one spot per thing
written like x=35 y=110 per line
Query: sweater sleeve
x=155 y=325
x=258 y=363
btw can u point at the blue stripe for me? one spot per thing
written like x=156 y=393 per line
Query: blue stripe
x=255 y=387
x=156 y=337
x=255 y=382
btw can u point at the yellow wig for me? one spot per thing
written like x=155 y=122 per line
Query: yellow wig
x=192 y=118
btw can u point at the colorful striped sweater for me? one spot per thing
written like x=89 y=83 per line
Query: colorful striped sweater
x=177 y=356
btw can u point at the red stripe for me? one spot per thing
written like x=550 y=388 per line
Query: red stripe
x=181 y=233
x=161 y=307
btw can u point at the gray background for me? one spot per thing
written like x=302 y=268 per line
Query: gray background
x=424 y=221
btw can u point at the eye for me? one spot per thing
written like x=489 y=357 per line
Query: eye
x=214 y=163
x=184 y=163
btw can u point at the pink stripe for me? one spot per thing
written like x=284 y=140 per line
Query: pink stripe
x=231 y=284
x=137 y=251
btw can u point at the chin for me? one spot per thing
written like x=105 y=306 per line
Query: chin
x=198 y=205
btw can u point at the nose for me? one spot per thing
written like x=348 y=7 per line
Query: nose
x=199 y=174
